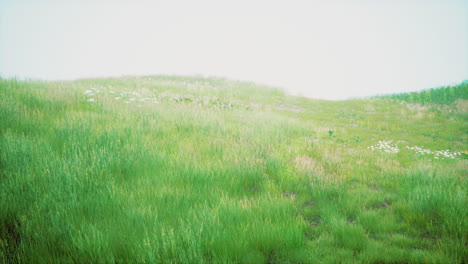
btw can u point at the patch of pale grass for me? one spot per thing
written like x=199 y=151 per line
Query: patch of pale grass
x=388 y=165
x=308 y=166
x=417 y=107
x=461 y=105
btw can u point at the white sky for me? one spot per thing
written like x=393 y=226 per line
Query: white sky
x=326 y=49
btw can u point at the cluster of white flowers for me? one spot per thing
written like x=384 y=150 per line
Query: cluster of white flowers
x=134 y=97
x=441 y=154
x=90 y=93
x=419 y=150
x=386 y=146
x=438 y=154
x=126 y=97
x=139 y=99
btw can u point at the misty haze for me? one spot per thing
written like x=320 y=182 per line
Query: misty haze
x=235 y=132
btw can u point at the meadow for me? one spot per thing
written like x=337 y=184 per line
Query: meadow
x=167 y=169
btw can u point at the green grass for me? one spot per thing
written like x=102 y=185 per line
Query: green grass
x=163 y=169
x=441 y=95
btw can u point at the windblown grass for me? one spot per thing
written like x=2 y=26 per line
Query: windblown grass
x=162 y=169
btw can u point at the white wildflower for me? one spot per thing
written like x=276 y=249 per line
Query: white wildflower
x=386 y=146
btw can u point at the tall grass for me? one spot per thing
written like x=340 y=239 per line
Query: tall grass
x=440 y=95
x=192 y=170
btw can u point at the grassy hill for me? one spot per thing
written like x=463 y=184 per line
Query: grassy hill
x=162 y=169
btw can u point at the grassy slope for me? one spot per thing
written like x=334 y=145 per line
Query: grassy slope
x=190 y=170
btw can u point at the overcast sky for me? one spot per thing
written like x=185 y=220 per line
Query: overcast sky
x=327 y=49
